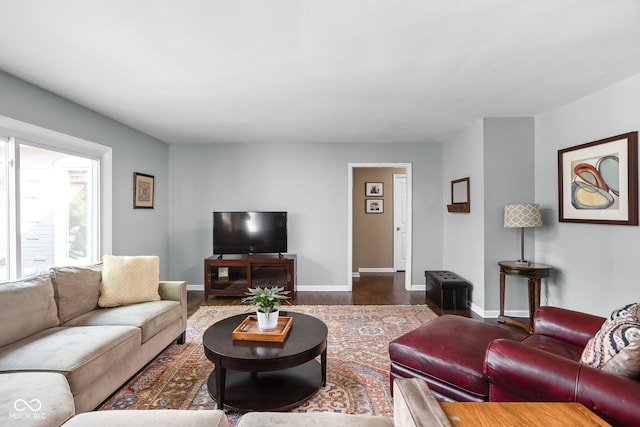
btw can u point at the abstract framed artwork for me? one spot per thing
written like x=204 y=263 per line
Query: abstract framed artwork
x=598 y=181
x=143 y=191
x=374 y=206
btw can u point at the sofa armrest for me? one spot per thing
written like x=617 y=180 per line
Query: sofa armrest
x=415 y=406
x=612 y=397
x=517 y=372
x=173 y=290
x=176 y=291
x=566 y=325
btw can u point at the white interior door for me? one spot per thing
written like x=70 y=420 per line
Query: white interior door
x=400 y=216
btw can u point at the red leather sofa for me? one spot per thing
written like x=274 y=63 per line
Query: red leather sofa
x=448 y=353
x=467 y=360
x=544 y=368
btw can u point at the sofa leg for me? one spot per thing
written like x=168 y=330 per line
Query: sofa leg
x=182 y=338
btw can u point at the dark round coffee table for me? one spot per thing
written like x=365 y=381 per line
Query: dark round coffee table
x=266 y=376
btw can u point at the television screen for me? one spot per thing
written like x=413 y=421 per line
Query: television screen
x=249 y=232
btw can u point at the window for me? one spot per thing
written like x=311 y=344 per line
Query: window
x=52 y=202
x=4 y=220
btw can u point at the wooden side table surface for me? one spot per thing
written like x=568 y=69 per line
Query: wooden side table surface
x=534 y=273
x=492 y=414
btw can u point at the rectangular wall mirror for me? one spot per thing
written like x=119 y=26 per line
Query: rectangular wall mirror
x=460 y=195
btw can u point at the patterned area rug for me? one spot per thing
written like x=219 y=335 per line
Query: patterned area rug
x=357 y=367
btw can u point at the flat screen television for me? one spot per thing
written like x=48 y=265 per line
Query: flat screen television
x=249 y=232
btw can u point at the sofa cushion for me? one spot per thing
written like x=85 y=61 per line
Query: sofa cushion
x=26 y=307
x=150 y=317
x=554 y=346
x=315 y=419
x=616 y=346
x=81 y=354
x=35 y=399
x=77 y=289
x=150 y=417
x=129 y=280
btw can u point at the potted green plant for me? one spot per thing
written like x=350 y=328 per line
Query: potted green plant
x=267 y=303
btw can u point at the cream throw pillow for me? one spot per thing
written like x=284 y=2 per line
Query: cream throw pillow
x=129 y=280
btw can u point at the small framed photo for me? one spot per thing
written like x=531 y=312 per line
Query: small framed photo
x=143 y=191
x=598 y=181
x=373 y=189
x=374 y=206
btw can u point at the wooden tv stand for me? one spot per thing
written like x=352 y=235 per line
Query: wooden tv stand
x=232 y=275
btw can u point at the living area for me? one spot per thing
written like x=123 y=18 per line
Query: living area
x=312 y=119
x=372 y=350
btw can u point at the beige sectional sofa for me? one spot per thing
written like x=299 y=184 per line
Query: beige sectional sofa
x=50 y=404
x=61 y=355
x=52 y=324
x=413 y=406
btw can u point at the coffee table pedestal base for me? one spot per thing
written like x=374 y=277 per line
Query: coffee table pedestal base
x=269 y=391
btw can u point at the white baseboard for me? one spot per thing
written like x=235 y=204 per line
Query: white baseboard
x=320 y=288
x=376 y=270
x=317 y=288
x=477 y=310
x=493 y=314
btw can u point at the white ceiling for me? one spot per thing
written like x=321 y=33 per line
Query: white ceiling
x=206 y=71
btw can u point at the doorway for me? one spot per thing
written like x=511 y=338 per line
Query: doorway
x=357 y=208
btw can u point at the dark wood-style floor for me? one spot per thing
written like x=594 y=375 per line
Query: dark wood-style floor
x=368 y=289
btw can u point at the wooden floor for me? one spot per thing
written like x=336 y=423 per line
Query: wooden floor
x=368 y=289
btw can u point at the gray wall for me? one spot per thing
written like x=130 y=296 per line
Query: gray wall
x=135 y=232
x=309 y=181
x=595 y=265
x=464 y=232
x=497 y=154
x=508 y=179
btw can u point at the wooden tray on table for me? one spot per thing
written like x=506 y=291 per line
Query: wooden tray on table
x=248 y=330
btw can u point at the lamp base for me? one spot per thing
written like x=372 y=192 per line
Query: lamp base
x=521 y=262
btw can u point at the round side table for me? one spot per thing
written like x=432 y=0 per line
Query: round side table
x=534 y=273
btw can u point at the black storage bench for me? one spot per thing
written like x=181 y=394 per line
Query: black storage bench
x=448 y=290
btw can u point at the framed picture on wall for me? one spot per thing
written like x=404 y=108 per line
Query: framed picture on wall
x=598 y=181
x=143 y=191
x=373 y=189
x=374 y=206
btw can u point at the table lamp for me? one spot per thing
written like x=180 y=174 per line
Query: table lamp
x=522 y=215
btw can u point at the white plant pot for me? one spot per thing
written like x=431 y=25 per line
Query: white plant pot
x=267 y=323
